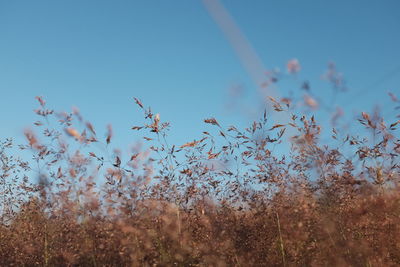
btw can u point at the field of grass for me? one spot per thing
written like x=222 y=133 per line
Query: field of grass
x=226 y=199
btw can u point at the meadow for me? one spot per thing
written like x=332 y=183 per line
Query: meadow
x=227 y=199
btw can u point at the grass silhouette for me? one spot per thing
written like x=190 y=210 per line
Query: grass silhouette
x=224 y=200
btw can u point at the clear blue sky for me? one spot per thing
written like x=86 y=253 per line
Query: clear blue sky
x=97 y=55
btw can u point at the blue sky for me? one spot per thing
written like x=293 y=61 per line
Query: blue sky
x=97 y=55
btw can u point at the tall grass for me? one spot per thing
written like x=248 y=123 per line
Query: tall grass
x=226 y=199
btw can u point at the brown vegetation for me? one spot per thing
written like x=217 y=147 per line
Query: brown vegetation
x=226 y=199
